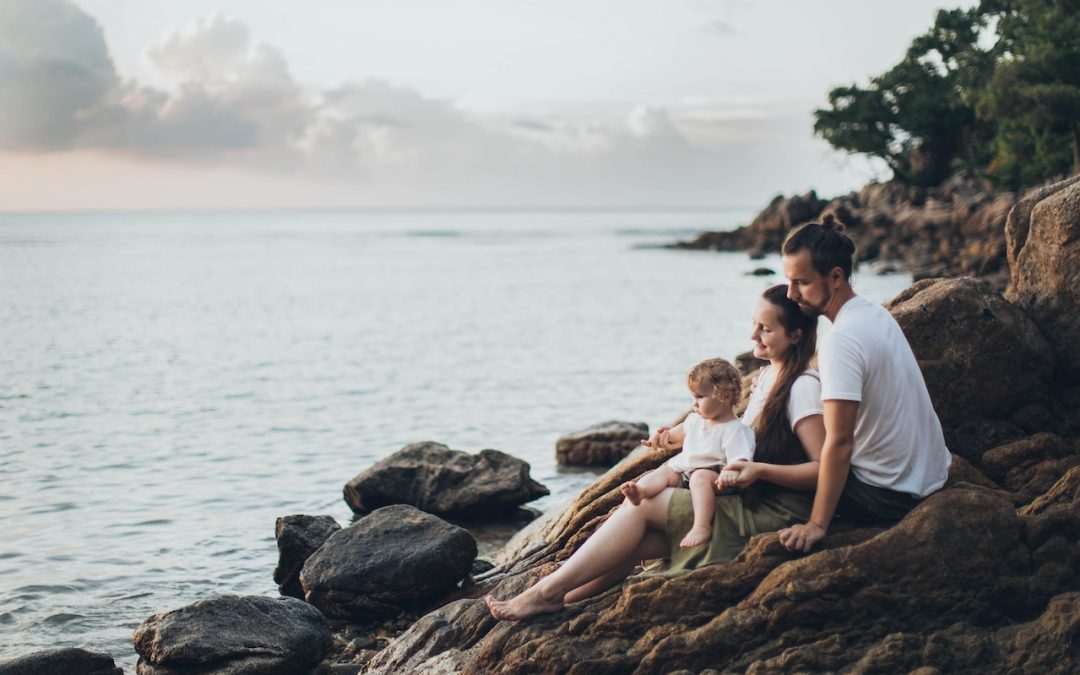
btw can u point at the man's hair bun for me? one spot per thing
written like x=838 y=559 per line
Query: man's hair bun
x=829 y=222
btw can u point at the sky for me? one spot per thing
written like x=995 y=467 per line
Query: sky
x=266 y=104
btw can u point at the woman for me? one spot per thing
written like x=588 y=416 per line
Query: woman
x=785 y=412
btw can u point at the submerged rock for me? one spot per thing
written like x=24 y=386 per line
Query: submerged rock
x=394 y=559
x=602 y=444
x=436 y=479
x=233 y=635
x=65 y=661
x=297 y=538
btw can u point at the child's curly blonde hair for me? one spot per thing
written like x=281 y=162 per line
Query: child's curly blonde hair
x=716 y=378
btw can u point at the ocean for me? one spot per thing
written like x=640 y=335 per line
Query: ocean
x=171 y=383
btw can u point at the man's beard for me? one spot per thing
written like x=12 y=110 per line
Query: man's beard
x=817 y=310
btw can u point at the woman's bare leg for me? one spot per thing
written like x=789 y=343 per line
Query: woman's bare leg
x=611 y=547
x=654 y=545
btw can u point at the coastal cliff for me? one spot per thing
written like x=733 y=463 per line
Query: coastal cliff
x=983 y=576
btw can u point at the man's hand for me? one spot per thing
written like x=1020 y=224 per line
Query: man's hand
x=802 y=537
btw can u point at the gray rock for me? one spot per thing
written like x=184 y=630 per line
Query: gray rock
x=601 y=444
x=66 y=661
x=436 y=479
x=297 y=538
x=963 y=332
x=394 y=559
x=233 y=635
x=1042 y=232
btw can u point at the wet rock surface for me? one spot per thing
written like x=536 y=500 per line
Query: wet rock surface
x=297 y=538
x=233 y=635
x=394 y=559
x=65 y=661
x=433 y=478
x=602 y=444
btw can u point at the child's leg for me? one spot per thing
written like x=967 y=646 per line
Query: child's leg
x=703 y=497
x=651 y=484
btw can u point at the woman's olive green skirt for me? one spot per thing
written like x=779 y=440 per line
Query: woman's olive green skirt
x=737 y=518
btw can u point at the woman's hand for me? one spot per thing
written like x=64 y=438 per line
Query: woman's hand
x=746 y=474
x=727 y=479
x=659 y=439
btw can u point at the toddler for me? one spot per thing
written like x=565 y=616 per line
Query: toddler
x=710 y=436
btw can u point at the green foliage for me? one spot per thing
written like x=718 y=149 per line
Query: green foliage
x=994 y=89
x=1034 y=94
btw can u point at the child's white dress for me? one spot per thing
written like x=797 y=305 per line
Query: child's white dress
x=713 y=447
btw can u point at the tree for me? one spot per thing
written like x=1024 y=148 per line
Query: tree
x=1034 y=94
x=919 y=116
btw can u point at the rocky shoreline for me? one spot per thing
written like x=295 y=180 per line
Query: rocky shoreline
x=955 y=229
x=984 y=576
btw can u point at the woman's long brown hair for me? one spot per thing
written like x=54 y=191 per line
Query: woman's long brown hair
x=776 y=442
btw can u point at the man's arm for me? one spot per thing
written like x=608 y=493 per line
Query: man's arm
x=835 y=464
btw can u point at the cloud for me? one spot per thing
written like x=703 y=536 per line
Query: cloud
x=233 y=103
x=54 y=72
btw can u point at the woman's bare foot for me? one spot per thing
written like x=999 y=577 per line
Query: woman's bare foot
x=697 y=536
x=525 y=604
x=631 y=491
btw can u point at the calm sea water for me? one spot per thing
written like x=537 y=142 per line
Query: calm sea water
x=171 y=384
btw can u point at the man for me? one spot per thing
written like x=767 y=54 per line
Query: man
x=884 y=449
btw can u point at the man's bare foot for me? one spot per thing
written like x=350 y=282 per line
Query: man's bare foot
x=528 y=603
x=697 y=536
x=631 y=491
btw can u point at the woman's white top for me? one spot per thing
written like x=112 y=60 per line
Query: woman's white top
x=804 y=401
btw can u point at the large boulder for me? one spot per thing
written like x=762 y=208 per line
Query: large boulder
x=394 y=559
x=436 y=479
x=297 y=538
x=65 y=661
x=233 y=635
x=986 y=364
x=601 y=444
x=1043 y=234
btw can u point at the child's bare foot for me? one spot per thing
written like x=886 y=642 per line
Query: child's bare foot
x=525 y=604
x=697 y=536
x=631 y=491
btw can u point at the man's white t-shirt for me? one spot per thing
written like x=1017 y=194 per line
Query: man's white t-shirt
x=708 y=447
x=899 y=444
x=803 y=401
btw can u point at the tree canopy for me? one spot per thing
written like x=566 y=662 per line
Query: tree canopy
x=994 y=89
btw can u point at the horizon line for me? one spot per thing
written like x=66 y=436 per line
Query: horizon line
x=367 y=209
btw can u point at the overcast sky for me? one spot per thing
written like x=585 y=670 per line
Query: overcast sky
x=115 y=104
